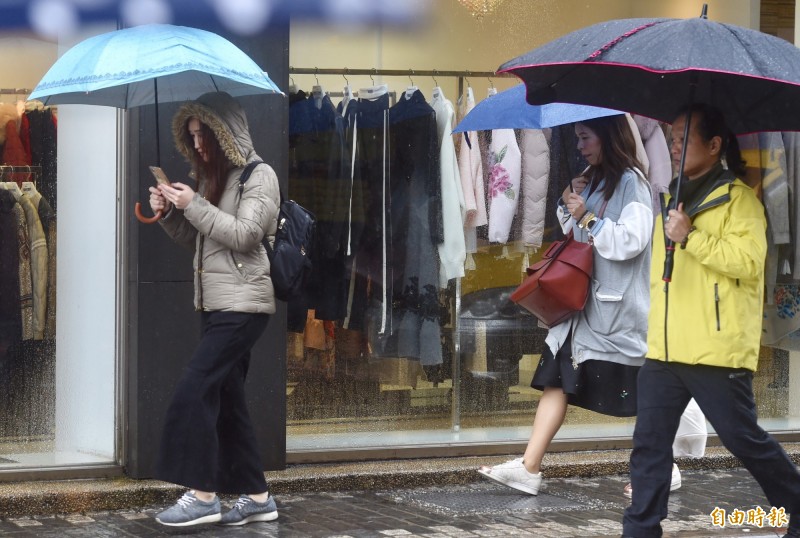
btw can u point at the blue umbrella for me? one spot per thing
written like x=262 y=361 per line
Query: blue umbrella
x=509 y=110
x=149 y=64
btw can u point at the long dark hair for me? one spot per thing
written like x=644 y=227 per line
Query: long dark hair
x=214 y=172
x=619 y=151
x=710 y=123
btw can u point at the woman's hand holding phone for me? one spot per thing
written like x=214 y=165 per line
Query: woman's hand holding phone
x=179 y=194
x=157 y=200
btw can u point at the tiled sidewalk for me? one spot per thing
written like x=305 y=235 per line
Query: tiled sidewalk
x=565 y=507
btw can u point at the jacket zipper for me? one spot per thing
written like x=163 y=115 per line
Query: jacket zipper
x=200 y=306
x=693 y=212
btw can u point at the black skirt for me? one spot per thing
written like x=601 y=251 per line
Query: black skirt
x=601 y=386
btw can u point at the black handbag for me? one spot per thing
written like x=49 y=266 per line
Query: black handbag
x=289 y=252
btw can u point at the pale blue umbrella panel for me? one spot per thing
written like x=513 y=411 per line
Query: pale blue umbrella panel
x=148 y=65
x=509 y=110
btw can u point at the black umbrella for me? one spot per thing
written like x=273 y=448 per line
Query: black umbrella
x=657 y=67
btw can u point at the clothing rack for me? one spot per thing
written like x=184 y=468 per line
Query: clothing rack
x=32 y=168
x=15 y=91
x=34 y=171
x=339 y=95
x=433 y=73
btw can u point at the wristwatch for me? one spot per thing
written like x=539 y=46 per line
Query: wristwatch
x=685 y=239
x=587 y=221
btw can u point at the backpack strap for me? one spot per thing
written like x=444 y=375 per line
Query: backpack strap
x=242 y=180
x=246 y=175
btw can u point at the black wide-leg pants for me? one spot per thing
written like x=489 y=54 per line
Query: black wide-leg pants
x=208 y=441
x=725 y=395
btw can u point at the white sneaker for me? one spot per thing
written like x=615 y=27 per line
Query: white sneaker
x=514 y=475
x=676 y=478
x=674 y=484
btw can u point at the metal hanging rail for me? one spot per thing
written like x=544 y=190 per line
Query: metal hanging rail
x=395 y=72
x=15 y=91
x=34 y=168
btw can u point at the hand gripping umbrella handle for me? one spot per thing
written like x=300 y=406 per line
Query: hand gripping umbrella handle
x=145 y=220
x=670 y=245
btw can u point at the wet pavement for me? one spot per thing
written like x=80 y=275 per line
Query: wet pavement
x=565 y=507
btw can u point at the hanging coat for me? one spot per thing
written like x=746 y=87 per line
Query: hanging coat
x=566 y=162
x=452 y=250
x=775 y=186
x=10 y=313
x=470 y=167
x=641 y=154
x=24 y=272
x=14 y=153
x=535 y=181
x=315 y=171
x=505 y=169
x=43 y=144
x=47 y=217
x=368 y=279
x=791 y=144
x=413 y=312
x=38 y=264
x=659 y=173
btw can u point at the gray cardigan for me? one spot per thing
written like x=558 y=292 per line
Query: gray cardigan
x=613 y=325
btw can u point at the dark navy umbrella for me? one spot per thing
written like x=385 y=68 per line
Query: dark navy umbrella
x=509 y=110
x=657 y=67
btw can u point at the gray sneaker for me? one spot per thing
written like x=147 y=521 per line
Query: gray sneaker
x=189 y=510
x=246 y=510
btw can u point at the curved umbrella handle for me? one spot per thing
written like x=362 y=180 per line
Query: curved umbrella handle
x=145 y=220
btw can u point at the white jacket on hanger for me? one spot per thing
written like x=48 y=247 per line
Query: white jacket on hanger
x=504 y=180
x=470 y=168
x=452 y=251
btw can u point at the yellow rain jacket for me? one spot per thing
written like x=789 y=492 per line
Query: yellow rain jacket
x=711 y=313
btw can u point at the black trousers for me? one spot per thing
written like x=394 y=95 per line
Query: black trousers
x=726 y=397
x=208 y=441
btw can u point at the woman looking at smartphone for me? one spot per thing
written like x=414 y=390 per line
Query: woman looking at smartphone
x=208 y=443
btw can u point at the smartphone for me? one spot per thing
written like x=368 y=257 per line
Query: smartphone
x=160 y=176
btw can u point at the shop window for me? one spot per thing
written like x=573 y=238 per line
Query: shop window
x=58 y=279
x=350 y=384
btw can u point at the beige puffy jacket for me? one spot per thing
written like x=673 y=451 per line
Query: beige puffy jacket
x=231 y=269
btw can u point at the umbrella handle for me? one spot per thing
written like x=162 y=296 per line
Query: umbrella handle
x=145 y=220
x=668 y=262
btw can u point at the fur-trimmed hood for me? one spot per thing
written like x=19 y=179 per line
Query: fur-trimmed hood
x=223 y=114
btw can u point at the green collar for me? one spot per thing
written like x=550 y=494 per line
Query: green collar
x=694 y=192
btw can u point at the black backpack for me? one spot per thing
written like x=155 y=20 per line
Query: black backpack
x=289 y=256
